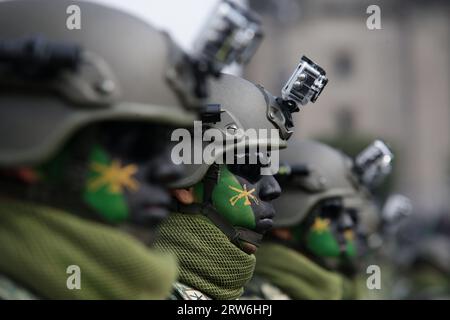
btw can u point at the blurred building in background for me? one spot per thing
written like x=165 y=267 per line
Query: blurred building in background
x=391 y=83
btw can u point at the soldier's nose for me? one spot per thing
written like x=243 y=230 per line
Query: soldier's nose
x=269 y=189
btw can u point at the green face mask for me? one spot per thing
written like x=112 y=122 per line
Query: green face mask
x=324 y=235
x=324 y=242
x=104 y=183
x=243 y=196
x=232 y=199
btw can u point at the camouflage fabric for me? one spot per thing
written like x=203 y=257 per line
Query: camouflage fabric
x=38 y=243
x=296 y=275
x=208 y=261
x=351 y=290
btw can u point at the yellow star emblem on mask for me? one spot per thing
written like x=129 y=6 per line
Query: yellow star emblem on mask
x=349 y=235
x=114 y=176
x=320 y=225
x=243 y=194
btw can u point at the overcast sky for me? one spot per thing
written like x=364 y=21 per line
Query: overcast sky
x=182 y=19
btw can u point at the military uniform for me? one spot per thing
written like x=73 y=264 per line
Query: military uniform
x=313 y=176
x=282 y=273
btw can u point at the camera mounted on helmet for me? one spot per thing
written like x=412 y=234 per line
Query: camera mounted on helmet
x=306 y=83
x=231 y=35
x=374 y=164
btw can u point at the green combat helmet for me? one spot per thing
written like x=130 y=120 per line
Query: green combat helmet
x=81 y=102
x=314 y=222
x=311 y=172
x=115 y=67
x=259 y=110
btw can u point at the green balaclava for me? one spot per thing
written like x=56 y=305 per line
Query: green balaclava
x=208 y=261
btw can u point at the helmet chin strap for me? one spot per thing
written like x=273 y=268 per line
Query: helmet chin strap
x=234 y=234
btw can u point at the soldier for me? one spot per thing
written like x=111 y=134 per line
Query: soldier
x=314 y=226
x=86 y=117
x=421 y=259
x=372 y=166
x=223 y=207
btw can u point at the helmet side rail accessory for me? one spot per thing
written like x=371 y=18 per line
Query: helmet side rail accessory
x=211 y=113
x=77 y=75
x=300 y=176
x=36 y=56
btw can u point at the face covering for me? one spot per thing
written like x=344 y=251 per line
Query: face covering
x=233 y=200
x=38 y=244
x=208 y=261
x=114 y=173
x=237 y=196
x=324 y=235
x=295 y=274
